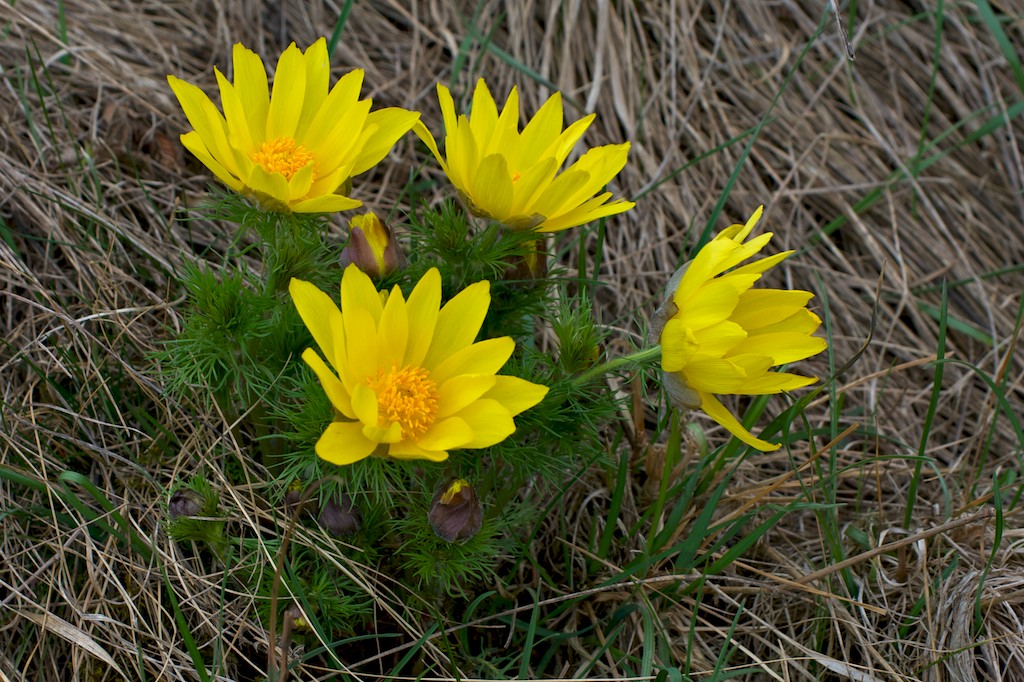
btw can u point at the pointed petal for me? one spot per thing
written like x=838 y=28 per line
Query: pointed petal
x=406 y=449
x=250 y=81
x=459 y=322
x=331 y=384
x=326 y=203
x=423 y=306
x=319 y=313
x=344 y=443
x=192 y=142
x=392 y=123
x=206 y=121
x=393 y=332
x=720 y=414
x=485 y=357
x=490 y=422
x=461 y=390
x=515 y=394
x=286 y=96
x=318 y=75
x=492 y=188
x=446 y=434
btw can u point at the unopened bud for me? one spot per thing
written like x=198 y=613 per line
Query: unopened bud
x=531 y=267
x=455 y=513
x=293 y=495
x=185 y=502
x=340 y=517
x=371 y=247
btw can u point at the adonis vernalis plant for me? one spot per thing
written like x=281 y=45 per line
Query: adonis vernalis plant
x=294 y=148
x=718 y=335
x=513 y=177
x=409 y=380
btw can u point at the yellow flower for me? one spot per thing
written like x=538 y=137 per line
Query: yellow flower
x=291 y=149
x=718 y=335
x=408 y=380
x=512 y=177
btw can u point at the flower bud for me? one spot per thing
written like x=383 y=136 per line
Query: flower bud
x=531 y=267
x=293 y=495
x=455 y=512
x=185 y=502
x=339 y=517
x=371 y=247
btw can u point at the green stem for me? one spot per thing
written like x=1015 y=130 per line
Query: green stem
x=639 y=358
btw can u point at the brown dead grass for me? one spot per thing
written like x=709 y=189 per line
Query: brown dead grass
x=92 y=182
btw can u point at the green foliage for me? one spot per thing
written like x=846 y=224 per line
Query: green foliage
x=239 y=350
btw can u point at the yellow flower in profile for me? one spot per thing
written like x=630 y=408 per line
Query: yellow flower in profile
x=295 y=148
x=513 y=177
x=718 y=335
x=408 y=380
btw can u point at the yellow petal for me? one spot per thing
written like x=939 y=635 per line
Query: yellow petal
x=331 y=132
x=444 y=99
x=326 y=203
x=776 y=382
x=286 y=96
x=272 y=186
x=364 y=405
x=359 y=293
x=783 y=347
x=484 y=113
x=239 y=136
x=587 y=212
x=516 y=394
x=716 y=375
x=720 y=414
x=207 y=122
x=195 y=144
x=318 y=76
x=319 y=313
x=543 y=129
x=490 y=422
x=459 y=391
x=331 y=384
x=485 y=357
x=677 y=345
x=362 y=345
x=344 y=443
x=712 y=303
x=393 y=332
x=458 y=322
x=423 y=305
x=762 y=307
x=392 y=123
x=250 y=81
x=428 y=139
x=299 y=185
x=446 y=434
x=492 y=187
x=763 y=264
x=408 y=450
x=561 y=147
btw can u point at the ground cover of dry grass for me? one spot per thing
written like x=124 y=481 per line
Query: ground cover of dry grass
x=893 y=175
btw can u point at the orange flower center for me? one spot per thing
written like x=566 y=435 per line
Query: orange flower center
x=282 y=155
x=407 y=396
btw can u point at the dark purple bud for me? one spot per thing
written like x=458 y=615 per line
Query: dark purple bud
x=185 y=502
x=340 y=517
x=455 y=513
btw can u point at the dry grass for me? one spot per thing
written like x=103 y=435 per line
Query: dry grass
x=916 y=184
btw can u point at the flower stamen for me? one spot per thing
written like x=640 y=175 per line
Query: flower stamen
x=281 y=155
x=407 y=396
